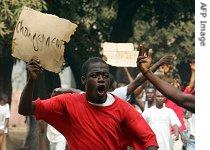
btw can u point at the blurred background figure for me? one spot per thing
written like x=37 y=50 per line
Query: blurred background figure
x=161 y=119
x=57 y=140
x=4 y=120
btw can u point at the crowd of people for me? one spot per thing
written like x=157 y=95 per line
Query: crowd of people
x=148 y=113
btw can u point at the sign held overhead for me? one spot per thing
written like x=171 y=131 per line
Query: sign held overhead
x=43 y=36
x=120 y=54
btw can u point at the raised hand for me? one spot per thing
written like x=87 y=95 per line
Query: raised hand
x=33 y=68
x=168 y=59
x=144 y=59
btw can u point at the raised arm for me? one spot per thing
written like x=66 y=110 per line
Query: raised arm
x=26 y=106
x=128 y=74
x=140 y=79
x=184 y=100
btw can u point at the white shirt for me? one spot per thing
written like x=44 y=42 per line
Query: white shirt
x=109 y=100
x=161 y=120
x=191 y=125
x=121 y=92
x=53 y=135
x=4 y=113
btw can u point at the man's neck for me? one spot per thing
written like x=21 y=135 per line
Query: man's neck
x=159 y=106
x=150 y=104
x=109 y=101
x=98 y=100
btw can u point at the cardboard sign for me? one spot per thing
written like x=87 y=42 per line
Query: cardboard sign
x=120 y=54
x=43 y=36
x=107 y=46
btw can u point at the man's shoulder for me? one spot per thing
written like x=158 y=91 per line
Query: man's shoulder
x=121 y=92
x=119 y=100
x=66 y=98
x=73 y=96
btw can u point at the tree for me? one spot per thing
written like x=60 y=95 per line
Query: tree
x=10 y=11
x=166 y=26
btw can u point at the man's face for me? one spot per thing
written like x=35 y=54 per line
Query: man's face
x=150 y=94
x=97 y=81
x=160 y=99
x=2 y=102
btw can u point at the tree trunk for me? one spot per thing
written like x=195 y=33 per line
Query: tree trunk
x=123 y=27
x=75 y=62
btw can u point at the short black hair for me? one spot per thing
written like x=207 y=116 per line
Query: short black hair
x=3 y=97
x=87 y=63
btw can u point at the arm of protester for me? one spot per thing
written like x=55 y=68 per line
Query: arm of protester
x=59 y=91
x=184 y=100
x=26 y=106
x=128 y=74
x=176 y=132
x=140 y=89
x=137 y=92
x=140 y=79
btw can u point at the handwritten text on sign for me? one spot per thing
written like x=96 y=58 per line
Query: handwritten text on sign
x=43 y=36
x=38 y=39
x=120 y=54
x=122 y=58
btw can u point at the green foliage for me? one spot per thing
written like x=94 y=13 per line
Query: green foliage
x=163 y=12
x=166 y=25
x=94 y=19
x=10 y=10
x=177 y=38
x=9 y=13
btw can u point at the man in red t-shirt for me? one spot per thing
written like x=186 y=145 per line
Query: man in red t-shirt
x=92 y=120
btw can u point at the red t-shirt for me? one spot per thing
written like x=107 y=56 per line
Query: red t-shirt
x=179 y=112
x=177 y=109
x=86 y=126
x=187 y=90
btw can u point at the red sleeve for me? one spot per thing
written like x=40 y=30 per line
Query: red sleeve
x=140 y=128
x=51 y=110
x=187 y=90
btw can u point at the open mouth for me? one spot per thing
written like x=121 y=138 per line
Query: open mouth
x=101 y=89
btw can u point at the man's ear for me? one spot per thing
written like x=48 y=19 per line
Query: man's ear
x=83 y=80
